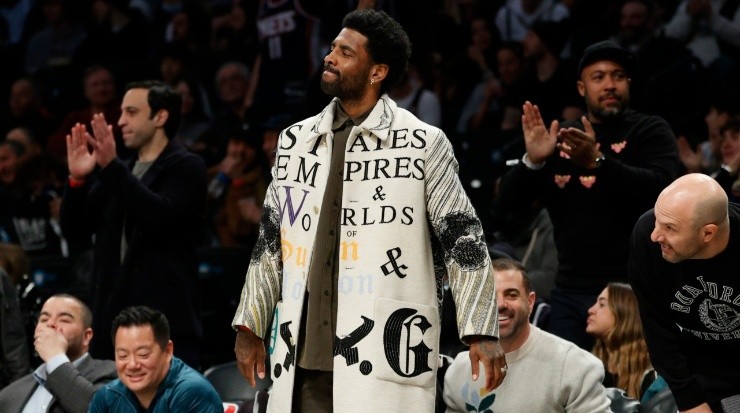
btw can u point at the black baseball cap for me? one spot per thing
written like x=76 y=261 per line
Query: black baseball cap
x=608 y=50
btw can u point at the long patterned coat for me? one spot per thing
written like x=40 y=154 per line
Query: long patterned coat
x=405 y=223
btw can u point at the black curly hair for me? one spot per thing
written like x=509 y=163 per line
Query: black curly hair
x=387 y=42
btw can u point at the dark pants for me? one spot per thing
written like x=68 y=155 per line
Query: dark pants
x=568 y=316
x=312 y=391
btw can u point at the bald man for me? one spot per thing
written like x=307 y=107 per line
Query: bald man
x=685 y=270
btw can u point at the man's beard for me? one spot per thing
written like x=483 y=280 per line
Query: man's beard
x=605 y=114
x=74 y=349
x=345 y=88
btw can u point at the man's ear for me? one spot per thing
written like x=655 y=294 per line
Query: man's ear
x=160 y=118
x=581 y=88
x=531 y=298
x=708 y=232
x=379 y=72
x=87 y=336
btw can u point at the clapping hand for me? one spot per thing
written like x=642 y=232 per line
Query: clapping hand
x=540 y=141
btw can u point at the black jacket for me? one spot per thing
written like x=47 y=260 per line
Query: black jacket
x=593 y=211
x=162 y=213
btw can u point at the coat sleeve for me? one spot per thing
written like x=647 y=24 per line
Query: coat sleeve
x=73 y=390
x=662 y=335
x=460 y=235
x=263 y=282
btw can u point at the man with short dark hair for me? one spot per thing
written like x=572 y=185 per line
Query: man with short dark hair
x=595 y=177
x=150 y=378
x=567 y=378
x=684 y=270
x=362 y=221
x=145 y=214
x=69 y=377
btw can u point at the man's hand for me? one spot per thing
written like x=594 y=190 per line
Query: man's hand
x=105 y=144
x=49 y=342
x=702 y=408
x=539 y=141
x=489 y=352
x=79 y=159
x=580 y=145
x=250 y=355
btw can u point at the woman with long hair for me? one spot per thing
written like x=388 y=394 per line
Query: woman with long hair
x=614 y=321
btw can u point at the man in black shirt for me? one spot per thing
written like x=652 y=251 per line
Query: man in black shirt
x=595 y=177
x=689 y=299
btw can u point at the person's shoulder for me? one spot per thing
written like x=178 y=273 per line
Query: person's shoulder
x=567 y=350
x=632 y=116
x=190 y=386
x=12 y=390
x=189 y=379
x=734 y=210
x=646 y=221
x=109 y=392
x=103 y=366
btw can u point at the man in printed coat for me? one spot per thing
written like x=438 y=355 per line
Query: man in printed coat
x=354 y=245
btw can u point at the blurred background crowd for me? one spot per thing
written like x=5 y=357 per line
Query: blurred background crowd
x=248 y=68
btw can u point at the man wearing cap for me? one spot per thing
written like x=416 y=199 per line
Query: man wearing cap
x=595 y=177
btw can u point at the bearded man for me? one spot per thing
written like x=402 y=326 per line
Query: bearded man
x=595 y=177
x=364 y=217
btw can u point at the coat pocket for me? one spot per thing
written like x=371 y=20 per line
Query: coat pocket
x=408 y=341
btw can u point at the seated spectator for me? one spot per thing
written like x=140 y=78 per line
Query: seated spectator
x=413 y=95
x=35 y=212
x=516 y=17
x=723 y=107
x=236 y=191
x=23 y=136
x=150 y=378
x=727 y=175
x=566 y=378
x=195 y=112
x=26 y=109
x=69 y=377
x=549 y=78
x=117 y=30
x=11 y=152
x=615 y=322
x=664 y=62
x=55 y=44
x=14 y=261
x=14 y=357
x=99 y=88
x=495 y=103
x=709 y=28
x=232 y=82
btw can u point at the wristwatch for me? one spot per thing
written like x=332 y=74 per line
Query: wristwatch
x=599 y=160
